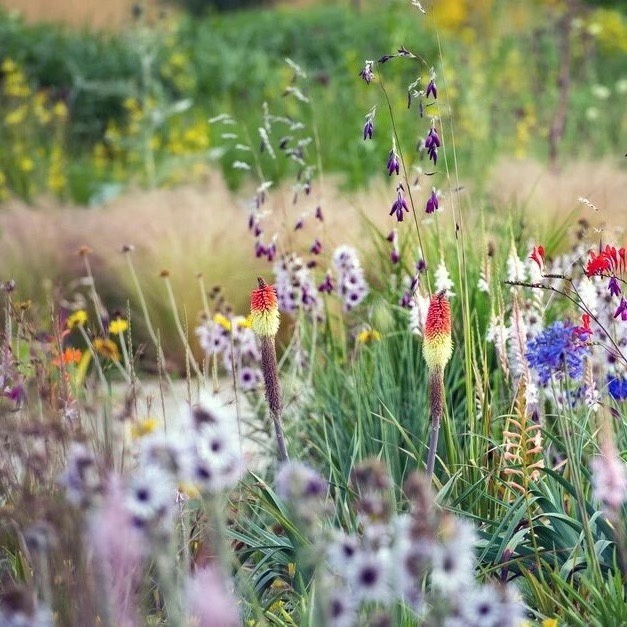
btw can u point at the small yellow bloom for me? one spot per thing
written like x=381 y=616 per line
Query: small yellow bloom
x=17 y=116
x=107 y=348
x=244 y=323
x=60 y=110
x=119 y=325
x=189 y=490
x=223 y=321
x=549 y=622
x=26 y=164
x=77 y=318
x=8 y=66
x=143 y=427
x=367 y=336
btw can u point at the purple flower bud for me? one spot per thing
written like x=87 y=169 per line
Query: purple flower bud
x=299 y=224
x=421 y=266
x=432 y=202
x=368 y=129
x=366 y=73
x=316 y=247
x=260 y=250
x=391 y=236
x=432 y=89
x=614 y=286
x=393 y=163
x=319 y=215
x=395 y=256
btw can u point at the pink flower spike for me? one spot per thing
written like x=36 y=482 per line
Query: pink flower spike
x=537 y=255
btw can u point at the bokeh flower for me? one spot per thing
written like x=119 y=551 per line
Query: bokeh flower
x=557 y=351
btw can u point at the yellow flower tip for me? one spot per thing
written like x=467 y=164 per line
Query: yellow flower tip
x=78 y=318
x=107 y=348
x=143 y=427
x=119 y=325
x=223 y=321
x=245 y=323
x=264 y=310
x=84 y=250
x=367 y=336
x=549 y=622
x=189 y=490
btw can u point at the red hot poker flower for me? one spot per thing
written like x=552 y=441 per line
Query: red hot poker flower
x=437 y=347
x=264 y=310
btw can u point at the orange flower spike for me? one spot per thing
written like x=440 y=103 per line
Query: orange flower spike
x=437 y=346
x=264 y=310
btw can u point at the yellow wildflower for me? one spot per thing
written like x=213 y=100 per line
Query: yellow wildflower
x=223 y=321
x=60 y=110
x=26 y=164
x=367 y=336
x=8 y=66
x=189 y=490
x=119 y=325
x=549 y=622
x=244 y=323
x=77 y=318
x=16 y=117
x=143 y=427
x=107 y=348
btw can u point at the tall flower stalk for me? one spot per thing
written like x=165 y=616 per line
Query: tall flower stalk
x=264 y=310
x=437 y=349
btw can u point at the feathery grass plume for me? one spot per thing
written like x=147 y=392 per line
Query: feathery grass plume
x=437 y=349
x=264 y=311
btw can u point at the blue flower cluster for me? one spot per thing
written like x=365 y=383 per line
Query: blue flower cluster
x=617 y=387
x=557 y=350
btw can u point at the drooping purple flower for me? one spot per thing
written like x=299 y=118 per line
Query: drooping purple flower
x=621 y=310
x=614 y=286
x=432 y=143
x=367 y=73
x=327 y=286
x=316 y=247
x=319 y=215
x=432 y=89
x=393 y=164
x=432 y=202
x=400 y=203
x=421 y=266
x=299 y=224
x=369 y=125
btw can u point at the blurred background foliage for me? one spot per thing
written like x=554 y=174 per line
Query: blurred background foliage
x=84 y=113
